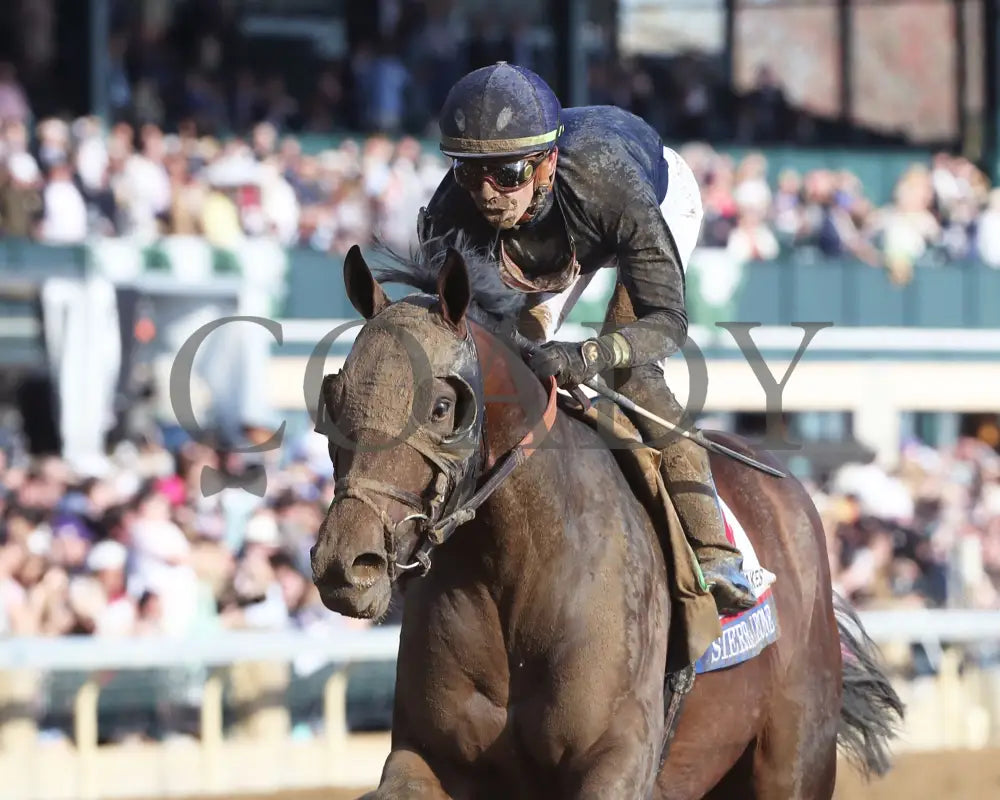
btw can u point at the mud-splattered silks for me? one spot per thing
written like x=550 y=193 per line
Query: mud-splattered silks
x=610 y=180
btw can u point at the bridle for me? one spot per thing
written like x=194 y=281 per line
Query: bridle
x=456 y=500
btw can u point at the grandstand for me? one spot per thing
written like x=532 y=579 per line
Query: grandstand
x=167 y=164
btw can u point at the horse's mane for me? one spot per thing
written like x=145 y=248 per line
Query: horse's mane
x=493 y=303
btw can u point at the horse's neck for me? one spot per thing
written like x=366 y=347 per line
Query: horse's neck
x=515 y=399
x=515 y=404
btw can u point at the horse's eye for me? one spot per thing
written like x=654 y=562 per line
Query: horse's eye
x=441 y=408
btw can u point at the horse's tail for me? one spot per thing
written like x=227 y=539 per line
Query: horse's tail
x=871 y=711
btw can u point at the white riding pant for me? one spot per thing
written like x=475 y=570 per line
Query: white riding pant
x=683 y=212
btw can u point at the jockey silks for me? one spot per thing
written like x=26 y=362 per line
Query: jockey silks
x=610 y=180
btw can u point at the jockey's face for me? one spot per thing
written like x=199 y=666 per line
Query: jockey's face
x=503 y=209
x=503 y=206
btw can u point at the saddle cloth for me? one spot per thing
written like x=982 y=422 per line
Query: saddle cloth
x=698 y=634
x=746 y=634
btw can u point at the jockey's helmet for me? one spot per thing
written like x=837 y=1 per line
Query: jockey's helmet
x=500 y=111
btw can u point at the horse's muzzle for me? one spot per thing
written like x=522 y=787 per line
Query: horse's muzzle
x=363 y=602
x=353 y=588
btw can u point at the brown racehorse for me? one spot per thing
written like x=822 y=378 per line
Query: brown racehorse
x=532 y=653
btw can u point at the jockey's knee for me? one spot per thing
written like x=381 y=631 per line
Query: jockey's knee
x=646 y=387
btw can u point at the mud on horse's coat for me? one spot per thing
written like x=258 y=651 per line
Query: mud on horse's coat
x=532 y=653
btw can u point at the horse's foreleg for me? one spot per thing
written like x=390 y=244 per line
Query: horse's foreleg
x=621 y=765
x=611 y=776
x=407 y=775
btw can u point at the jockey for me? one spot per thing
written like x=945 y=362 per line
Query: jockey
x=555 y=194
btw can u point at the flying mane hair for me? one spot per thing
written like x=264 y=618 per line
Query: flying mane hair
x=494 y=305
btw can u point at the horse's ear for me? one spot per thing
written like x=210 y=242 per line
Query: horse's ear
x=362 y=289
x=454 y=290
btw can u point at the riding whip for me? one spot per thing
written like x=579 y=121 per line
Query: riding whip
x=697 y=436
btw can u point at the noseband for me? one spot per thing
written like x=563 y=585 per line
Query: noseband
x=434 y=525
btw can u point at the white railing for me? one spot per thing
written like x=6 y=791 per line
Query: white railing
x=945 y=626
x=219 y=764
x=88 y=653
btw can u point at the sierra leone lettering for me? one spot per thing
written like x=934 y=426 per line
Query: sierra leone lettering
x=744 y=636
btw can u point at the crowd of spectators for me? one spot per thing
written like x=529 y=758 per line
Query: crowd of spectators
x=941 y=212
x=927 y=535
x=63 y=182
x=186 y=79
x=136 y=548
x=69 y=182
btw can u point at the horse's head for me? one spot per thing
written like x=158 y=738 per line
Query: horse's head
x=404 y=420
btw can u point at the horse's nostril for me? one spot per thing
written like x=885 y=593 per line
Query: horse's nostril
x=367 y=567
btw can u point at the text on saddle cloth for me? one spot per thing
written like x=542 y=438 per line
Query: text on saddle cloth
x=747 y=634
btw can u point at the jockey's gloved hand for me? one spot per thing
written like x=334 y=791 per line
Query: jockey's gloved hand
x=573 y=363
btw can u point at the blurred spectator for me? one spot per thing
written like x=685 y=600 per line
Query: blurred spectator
x=117 y=614
x=20 y=196
x=324 y=110
x=256 y=598
x=220 y=218
x=53 y=142
x=279 y=108
x=752 y=239
x=162 y=561
x=787 y=209
x=187 y=197
x=908 y=227
x=765 y=114
x=64 y=212
x=988 y=231
x=13 y=101
x=721 y=213
x=279 y=205
x=144 y=186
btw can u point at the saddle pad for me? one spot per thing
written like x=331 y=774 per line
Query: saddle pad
x=695 y=624
x=746 y=634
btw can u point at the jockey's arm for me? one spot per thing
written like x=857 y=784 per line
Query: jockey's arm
x=625 y=215
x=649 y=267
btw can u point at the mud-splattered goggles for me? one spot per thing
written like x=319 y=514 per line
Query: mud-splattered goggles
x=504 y=176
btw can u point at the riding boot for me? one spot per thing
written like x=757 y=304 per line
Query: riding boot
x=687 y=475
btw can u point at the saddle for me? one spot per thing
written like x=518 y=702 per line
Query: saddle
x=694 y=619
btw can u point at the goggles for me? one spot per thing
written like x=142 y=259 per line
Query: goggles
x=504 y=176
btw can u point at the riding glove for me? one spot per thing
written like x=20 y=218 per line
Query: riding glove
x=573 y=363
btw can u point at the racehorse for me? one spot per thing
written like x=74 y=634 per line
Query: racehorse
x=532 y=653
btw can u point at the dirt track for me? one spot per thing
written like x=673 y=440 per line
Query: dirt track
x=959 y=775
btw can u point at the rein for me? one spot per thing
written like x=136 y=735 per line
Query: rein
x=441 y=531
x=435 y=531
